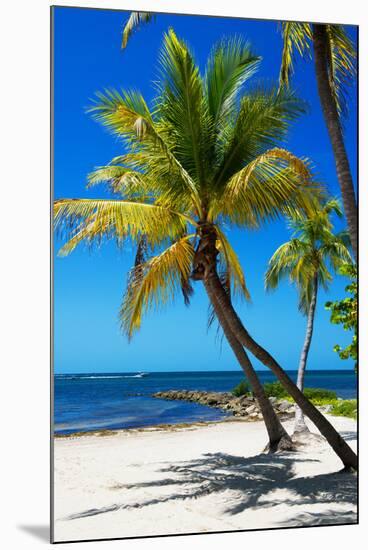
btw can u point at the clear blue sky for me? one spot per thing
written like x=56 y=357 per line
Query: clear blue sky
x=89 y=285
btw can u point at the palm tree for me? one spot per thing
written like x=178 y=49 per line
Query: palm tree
x=204 y=158
x=334 y=59
x=334 y=56
x=305 y=260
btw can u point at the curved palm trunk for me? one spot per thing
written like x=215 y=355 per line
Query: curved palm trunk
x=279 y=439
x=341 y=448
x=300 y=425
x=332 y=120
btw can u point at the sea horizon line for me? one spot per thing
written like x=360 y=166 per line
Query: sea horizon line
x=191 y=371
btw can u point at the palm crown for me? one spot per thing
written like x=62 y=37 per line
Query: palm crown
x=204 y=155
x=313 y=249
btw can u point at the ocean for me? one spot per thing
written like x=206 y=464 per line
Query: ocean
x=108 y=401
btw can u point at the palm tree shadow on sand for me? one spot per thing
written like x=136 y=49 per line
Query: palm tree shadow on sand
x=246 y=483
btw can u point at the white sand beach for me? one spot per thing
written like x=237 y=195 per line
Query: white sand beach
x=197 y=479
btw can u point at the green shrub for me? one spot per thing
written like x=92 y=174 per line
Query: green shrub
x=319 y=396
x=346 y=407
x=241 y=389
x=275 y=389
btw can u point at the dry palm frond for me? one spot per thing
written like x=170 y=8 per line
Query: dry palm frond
x=156 y=283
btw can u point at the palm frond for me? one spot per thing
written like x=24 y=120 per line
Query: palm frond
x=136 y=19
x=128 y=115
x=285 y=262
x=181 y=104
x=156 y=283
x=296 y=37
x=230 y=65
x=264 y=117
x=233 y=269
x=332 y=205
x=275 y=183
x=336 y=250
x=93 y=219
x=121 y=180
x=341 y=57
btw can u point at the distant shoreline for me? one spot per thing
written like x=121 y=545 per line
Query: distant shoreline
x=113 y=401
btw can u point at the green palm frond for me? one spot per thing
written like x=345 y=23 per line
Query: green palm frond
x=125 y=114
x=341 y=57
x=263 y=119
x=230 y=65
x=318 y=225
x=115 y=218
x=128 y=115
x=336 y=250
x=181 y=103
x=296 y=37
x=136 y=19
x=275 y=183
x=332 y=205
x=305 y=293
x=121 y=180
x=324 y=276
x=274 y=158
x=313 y=247
x=156 y=283
x=285 y=261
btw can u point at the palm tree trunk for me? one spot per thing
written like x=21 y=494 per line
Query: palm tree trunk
x=341 y=448
x=332 y=120
x=300 y=425
x=279 y=439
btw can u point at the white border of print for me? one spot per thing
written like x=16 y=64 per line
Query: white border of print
x=25 y=269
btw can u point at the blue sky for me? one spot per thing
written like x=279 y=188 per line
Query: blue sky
x=89 y=285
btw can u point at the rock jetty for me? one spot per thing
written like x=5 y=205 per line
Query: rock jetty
x=244 y=406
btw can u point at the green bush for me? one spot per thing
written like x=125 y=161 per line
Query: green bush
x=319 y=396
x=275 y=389
x=241 y=389
x=346 y=407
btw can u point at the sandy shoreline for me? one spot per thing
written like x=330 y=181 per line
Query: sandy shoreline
x=197 y=478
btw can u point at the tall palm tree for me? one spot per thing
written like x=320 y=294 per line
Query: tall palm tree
x=306 y=260
x=203 y=158
x=334 y=59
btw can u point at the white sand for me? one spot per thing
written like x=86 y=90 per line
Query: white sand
x=208 y=478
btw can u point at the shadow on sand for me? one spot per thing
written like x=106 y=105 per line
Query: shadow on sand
x=249 y=483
